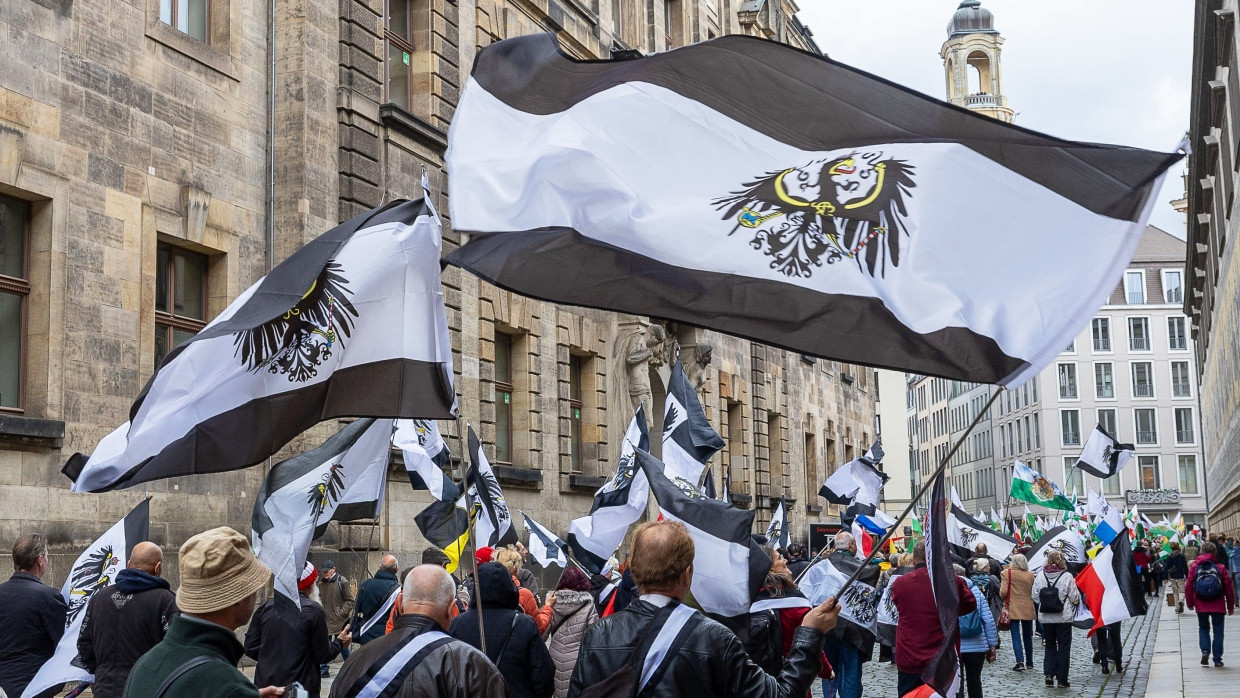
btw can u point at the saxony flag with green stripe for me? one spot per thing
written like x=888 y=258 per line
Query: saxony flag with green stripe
x=1031 y=486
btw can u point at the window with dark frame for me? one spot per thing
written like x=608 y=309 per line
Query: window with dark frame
x=406 y=39
x=503 y=398
x=192 y=17
x=574 y=411
x=14 y=291
x=180 y=297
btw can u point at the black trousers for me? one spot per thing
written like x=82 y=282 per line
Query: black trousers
x=973 y=663
x=1110 y=644
x=1058 y=648
x=907 y=683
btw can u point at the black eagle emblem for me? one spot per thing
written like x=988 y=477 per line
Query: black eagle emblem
x=326 y=491
x=846 y=207
x=96 y=572
x=296 y=343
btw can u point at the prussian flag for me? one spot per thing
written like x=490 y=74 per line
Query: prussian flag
x=1109 y=587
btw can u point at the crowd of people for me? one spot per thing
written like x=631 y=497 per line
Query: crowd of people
x=422 y=632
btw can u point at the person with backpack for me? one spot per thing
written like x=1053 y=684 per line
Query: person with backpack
x=988 y=584
x=513 y=643
x=1057 y=597
x=1210 y=593
x=978 y=636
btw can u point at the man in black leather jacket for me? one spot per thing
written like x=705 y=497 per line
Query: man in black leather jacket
x=708 y=662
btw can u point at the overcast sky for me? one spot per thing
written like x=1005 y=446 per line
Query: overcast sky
x=1106 y=71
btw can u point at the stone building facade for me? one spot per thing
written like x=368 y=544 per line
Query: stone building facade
x=138 y=200
x=1213 y=299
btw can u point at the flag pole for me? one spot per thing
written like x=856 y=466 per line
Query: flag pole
x=925 y=487
x=482 y=632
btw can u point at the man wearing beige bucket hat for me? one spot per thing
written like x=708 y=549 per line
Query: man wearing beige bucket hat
x=220 y=579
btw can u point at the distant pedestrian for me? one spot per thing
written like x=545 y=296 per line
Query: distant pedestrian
x=1057 y=597
x=1191 y=550
x=978 y=636
x=287 y=653
x=1177 y=573
x=1232 y=550
x=337 y=597
x=526 y=576
x=572 y=613
x=513 y=642
x=1210 y=593
x=374 y=600
x=1016 y=590
x=798 y=561
x=33 y=620
x=465 y=590
x=125 y=620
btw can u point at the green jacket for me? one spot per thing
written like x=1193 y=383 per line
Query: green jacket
x=188 y=638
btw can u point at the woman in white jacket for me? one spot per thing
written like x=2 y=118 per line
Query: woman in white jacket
x=1056 y=624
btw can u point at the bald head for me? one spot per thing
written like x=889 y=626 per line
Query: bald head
x=430 y=591
x=389 y=564
x=148 y=557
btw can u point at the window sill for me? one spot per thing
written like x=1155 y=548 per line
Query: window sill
x=401 y=121
x=192 y=48
x=741 y=500
x=585 y=483
x=31 y=432
x=518 y=477
x=813 y=509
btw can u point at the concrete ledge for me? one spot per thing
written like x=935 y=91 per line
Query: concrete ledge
x=519 y=477
x=31 y=432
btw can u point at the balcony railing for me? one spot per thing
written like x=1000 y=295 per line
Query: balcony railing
x=982 y=100
x=1183 y=436
x=1147 y=437
x=1143 y=390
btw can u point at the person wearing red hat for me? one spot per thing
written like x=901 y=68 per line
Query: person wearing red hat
x=465 y=590
x=286 y=653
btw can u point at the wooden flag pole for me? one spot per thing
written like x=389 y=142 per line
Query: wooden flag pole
x=482 y=632
x=925 y=487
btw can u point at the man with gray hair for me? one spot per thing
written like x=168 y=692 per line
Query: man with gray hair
x=418 y=657
x=849 y=645
x=34 y=617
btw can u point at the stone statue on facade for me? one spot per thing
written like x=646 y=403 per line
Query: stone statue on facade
x=695 y=369
x=637 y=356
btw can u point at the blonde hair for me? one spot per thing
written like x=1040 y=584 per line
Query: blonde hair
x=1055 y=558
x=906 y=560
x=510 y=559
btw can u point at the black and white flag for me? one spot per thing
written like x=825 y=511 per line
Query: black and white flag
x=943 y=672
x=617 y=504
x=728 y=567
x=341 y=480
x=688 y=438
x=426 y=455
x=777 y=530
x=858 y=480
x=545 y=546
x=964 y=533
x=708 y=485
x=858 y=603
x=726 y=495
x=494 y=524
x=832 y=200
x=888 y=616
x=1103 y=456
x=94 y=569
x=1061 y=539
x=443 y=523
x=350 y=325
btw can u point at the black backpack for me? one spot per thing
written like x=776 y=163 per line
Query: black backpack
x=1208 y=585
x=1048 y=597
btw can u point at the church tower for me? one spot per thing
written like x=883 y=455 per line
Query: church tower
x=971 y=61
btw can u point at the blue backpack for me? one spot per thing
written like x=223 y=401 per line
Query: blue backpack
x=971 y=624
x=1209 y=584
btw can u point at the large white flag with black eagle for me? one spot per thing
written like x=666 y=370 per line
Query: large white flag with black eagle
x=341 y=480
x=784 y=197
x=494 y=524
x=351 y=325
x=94 y=569
x=617 y=504
x=426 y=455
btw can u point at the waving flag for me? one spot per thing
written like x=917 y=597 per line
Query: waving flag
x=350 y=325
x=777 y=530
x=94 y=569
x=494 y=524
x=858 y=604
x=728 y=568
x=1109 y=522
x=806 y=197
x=943 y=672
x=1059 y=539
x=725 y=495
x=1111 y=590
x=446 y=525
x=689 y=440
x=1103 y=456
x=708 y=485
x=1029 y=485
x=857 y=480
x=617 y=504
x=426 y=455
x=964 y=533
x=545 y=546
x=342 y=480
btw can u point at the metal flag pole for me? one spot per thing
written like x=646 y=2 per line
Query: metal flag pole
x=925 y=487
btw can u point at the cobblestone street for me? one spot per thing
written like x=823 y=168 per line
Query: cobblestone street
x=998 y=679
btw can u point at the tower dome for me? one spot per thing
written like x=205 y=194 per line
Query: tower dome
x=971 y=18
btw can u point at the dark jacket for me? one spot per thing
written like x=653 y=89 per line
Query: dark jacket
x=525 y=663
x=188 y=638
x=371 y=596
x=797 y=565
x=1177 y=566
x=454 y=670
x=33 y=622
x=528 y=580
x=918 y=633
x=711 y=662
x=760 y=634
x=286 y=654
x=121 y=623
x=846 y=631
